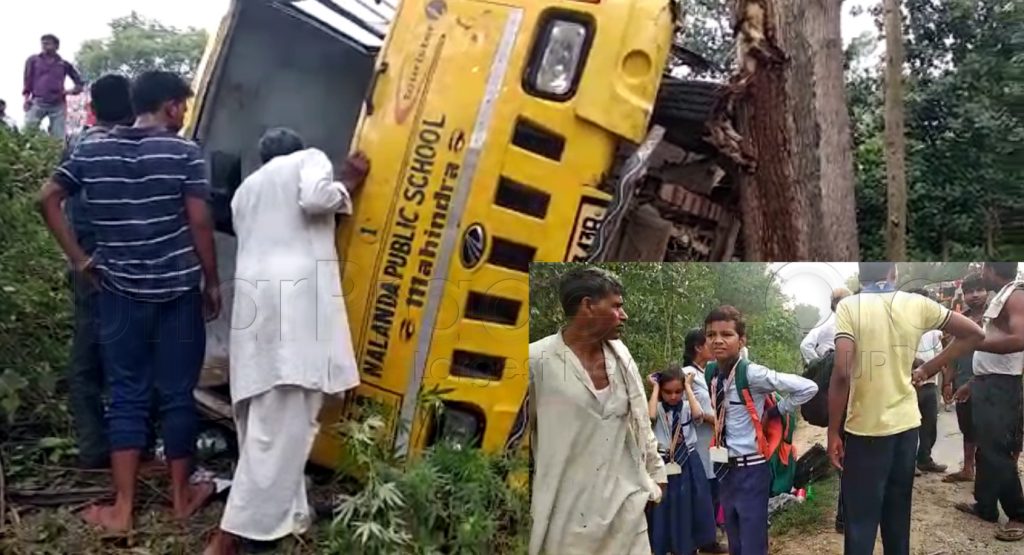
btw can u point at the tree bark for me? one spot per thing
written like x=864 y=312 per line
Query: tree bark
x=895 y=141
x=835 y=150
x=798 y=202
x=775 y=220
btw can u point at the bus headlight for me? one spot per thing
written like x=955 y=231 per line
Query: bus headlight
x=558 y=58
x=459 y=426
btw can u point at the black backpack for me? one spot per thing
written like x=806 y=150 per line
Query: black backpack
x=819 y=370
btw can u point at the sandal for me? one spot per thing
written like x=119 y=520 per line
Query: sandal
x=958 y=477
x=1012 y=532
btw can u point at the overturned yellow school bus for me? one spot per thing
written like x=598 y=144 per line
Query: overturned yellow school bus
x=490 y=128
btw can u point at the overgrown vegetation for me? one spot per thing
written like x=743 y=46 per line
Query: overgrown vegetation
x=449 y=499
x=665 y=301
x=814 y=514
x=34 y=300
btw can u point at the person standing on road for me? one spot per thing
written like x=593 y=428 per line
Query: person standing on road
x=296 y=345
x=997 y=392
x=597 y=466
x=928 y=348
x=112 y=104
x=146 y=195
x=877 y=331
x=960 y=374
x=44 y=91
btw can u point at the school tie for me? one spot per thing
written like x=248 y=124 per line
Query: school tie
x=720 y=405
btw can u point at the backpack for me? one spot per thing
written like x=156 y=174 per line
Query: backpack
x=819 y=370
x=774 y=436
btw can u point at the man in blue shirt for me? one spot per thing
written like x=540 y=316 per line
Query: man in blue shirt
x=112 y=105
x=146 y=197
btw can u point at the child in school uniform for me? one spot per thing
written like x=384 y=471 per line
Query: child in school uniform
x=696 y=355
x=684 y=519
x=744 y=475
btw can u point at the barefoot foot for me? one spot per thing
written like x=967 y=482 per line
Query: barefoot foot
x=109 y=518
x=196 y=498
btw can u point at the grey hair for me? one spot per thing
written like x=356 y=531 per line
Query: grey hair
x=279 y=141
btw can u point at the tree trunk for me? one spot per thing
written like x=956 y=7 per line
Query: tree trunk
x=895 y=142
x=775 y=222
x=835 y=150
x=798 y=201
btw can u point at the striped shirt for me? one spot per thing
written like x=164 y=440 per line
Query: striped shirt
x=133 y=183
x=73 y=206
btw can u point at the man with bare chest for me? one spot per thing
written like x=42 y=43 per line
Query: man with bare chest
x=596 y=456
x=997 y=395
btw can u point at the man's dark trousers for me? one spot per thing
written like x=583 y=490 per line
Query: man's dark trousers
x=997 y=403
x=85 y=376
x=877 y=486
x=928 y=403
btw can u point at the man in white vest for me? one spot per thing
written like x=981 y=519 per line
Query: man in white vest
x=997 y=395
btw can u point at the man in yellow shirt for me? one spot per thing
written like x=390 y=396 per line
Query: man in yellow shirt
x=877 y=334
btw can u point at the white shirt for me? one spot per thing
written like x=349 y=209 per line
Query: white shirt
x=928 y=348
x=1011 y=364
x=740 y=436
x=9 y=122
x=289 y=325
x=819 y=340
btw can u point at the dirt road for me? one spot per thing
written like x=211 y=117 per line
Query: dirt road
x=936 y=528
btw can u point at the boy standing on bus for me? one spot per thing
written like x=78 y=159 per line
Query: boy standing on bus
x=743 y=395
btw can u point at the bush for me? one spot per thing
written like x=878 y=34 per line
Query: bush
x=35 y=309
x=448 y=500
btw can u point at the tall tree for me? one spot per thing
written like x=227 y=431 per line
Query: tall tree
x=137 y=44
x=895 y=141
x=965 y=184
x=835 y=156
x=798 y=199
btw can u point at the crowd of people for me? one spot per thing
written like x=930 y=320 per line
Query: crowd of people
x=129 y=207
x=619 y=472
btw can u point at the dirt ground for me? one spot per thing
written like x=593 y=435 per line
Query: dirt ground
x=936 y=527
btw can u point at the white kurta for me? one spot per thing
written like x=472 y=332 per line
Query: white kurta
x=596 y=463
x=289 y=325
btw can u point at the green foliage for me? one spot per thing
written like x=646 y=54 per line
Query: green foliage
x=138 y=44
x=34 y=301
x=965 y=133
x=450 y=499
x=665 y=301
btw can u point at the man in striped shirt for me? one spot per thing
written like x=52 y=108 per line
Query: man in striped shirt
x=145 y=194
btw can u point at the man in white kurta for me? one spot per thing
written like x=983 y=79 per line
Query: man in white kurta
x=290 y=341
x=596 y=458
